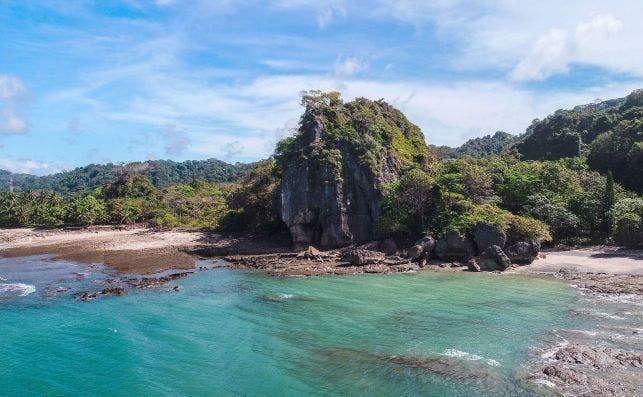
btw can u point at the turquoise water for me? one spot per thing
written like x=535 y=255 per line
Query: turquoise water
x=243 y=333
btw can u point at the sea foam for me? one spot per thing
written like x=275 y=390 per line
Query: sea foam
x=469 y=356
x=17 y=289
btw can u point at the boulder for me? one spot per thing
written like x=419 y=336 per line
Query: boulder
x=360 y=257
x=453 y=247
x=486 y=235
x=493 y=258
x=415 y=252
x=473 y=265
x=427 y=243
x=523 y=252
x=388 y=246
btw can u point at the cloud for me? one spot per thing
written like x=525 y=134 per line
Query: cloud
x=11 y=88
x=178 y=140
x=325 y=11
x=11 y=122
x=24 y=166
x=348 y=66
x=12 y=91
x=557 y=49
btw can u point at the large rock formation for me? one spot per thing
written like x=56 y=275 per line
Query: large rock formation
x=335 y=167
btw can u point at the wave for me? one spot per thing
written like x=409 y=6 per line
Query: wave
x=17 y=289
x=469 y=356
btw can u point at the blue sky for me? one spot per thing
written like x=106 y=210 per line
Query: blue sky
x=115 y=81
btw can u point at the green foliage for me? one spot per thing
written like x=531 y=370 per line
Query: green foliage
x=479 y=147
x=371 y=130
x=86 y=211
x=161 y=173
x=254 y=204
x=609 y=133
x=627 y=222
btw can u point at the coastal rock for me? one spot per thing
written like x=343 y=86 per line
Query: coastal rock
x=388 y=246
x=473 y=265
x=486 y=235
x=360 y=257
x=523 y=252
x=493 y=258
x=333 y=175
x=415 y=252
x=453 y=247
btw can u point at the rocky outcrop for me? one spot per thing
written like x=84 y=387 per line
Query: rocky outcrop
x=486 y=235
x=493 y=258
x=334 y=169
x=523 y=252
x=454 y=247
x=360 y=257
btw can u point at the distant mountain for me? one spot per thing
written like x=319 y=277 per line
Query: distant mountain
x=609 y=133
x=478 y=147
x=161 y=173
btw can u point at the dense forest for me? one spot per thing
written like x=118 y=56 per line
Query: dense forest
x=537 y=186
x=478 y=147
x=161 y=173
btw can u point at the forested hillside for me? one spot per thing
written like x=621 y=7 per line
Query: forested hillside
x=478 y=147
x=161 y=173
x=609 y=134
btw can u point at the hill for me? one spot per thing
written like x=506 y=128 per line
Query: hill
x=478 y=147
x=609 y=134
x=161 y=173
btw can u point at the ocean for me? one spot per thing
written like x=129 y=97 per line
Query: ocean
x=243 y=333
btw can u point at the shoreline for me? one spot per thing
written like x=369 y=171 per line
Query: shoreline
x=162 y=256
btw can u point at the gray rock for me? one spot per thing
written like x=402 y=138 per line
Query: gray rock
x=493 y=258
x=359 y=257
x=331 y=203
x=388 y=246
x=473 y=265
x=453 y=247
x=523 y=252
x=486 y=235
x=415 y=252
x=427 y=243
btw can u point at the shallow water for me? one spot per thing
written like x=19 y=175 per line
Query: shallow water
x=243 y=333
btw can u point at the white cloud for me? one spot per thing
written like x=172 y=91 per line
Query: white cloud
x=11 y=122
x=348 y=66
x=11 y=88
x=557 y=49
x=23 y=166
x=12 y=91
x=325 y=10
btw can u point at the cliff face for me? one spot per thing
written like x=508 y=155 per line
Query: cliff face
x=334 y=169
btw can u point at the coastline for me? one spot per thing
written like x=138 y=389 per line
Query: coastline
x=579 y=363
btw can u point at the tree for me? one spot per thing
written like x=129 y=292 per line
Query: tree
x=86 y=211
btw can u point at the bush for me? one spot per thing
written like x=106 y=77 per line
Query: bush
x=86 y=211
x=627 y=222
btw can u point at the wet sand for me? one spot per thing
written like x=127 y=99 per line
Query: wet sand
x=124 y=250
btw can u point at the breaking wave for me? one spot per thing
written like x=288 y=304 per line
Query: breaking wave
x=15 y=290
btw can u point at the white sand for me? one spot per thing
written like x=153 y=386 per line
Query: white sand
x=593 y=259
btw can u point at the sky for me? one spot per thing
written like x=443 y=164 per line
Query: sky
x=116 y=81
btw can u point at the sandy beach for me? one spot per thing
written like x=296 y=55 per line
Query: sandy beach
x=124 y=250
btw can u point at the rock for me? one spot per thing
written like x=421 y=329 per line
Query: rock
x=114 y=291
x=330 y=196
x=523 y=252
x=415 y=252
x=388 y=246
x=370 y=246
x=486 y=235
x=310 y=253
x=493 y=258
x=427 y=243
x=359 y=257
x=453 y=247
x=473 y=265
